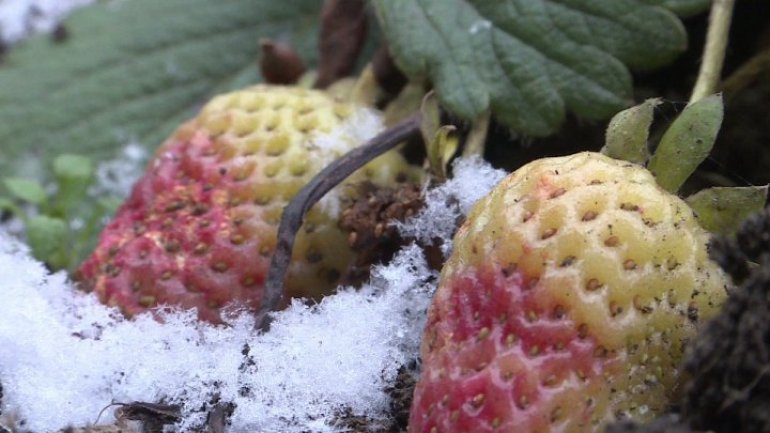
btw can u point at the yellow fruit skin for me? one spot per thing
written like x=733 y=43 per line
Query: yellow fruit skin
x=608 y=250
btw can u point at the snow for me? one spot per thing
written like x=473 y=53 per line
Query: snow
x=19 y=18
x=116 y=177
x=445 y=205
x=66 y=357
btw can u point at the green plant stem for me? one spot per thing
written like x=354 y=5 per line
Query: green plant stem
x=746 y=74
x=714 y=51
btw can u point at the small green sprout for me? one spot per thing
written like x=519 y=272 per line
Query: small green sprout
x=61 y=220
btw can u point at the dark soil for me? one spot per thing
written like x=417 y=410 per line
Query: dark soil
x=368 y=221
x=397 y=418
x=730 y=361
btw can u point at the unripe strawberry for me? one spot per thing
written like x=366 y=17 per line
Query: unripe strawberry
x=570 y=293
x=199 y=228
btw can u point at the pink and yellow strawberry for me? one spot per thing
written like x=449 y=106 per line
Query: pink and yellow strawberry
x=567 y=301
x=199 y=228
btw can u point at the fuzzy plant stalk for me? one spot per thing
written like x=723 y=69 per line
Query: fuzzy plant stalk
x=714 y=51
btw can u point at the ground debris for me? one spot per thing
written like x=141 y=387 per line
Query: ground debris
x=369 y=224
x=730 y=360
x=397 y=418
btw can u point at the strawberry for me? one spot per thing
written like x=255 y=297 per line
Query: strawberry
x=200 y=226
x=570 y=293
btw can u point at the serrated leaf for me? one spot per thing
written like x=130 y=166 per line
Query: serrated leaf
x=131 y=71
x=721 y=210
x=530 y=60
x=628 y=131
x=687 y=142
x=47 y=237
x=26 y=190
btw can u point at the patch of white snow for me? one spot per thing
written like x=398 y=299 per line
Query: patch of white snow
x=116 y=177
x=66 y=357
x=19 y=18
x=446 y=204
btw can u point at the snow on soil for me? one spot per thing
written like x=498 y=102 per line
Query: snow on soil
x=472 y=179
x=65 y=356
x=19 y=18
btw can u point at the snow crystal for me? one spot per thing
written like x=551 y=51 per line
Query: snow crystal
x=117 y=176
x=341 y=352
x=448 y=203
x=18 y=18
x=66 y=357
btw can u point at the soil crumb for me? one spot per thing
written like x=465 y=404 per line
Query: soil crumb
x=368 y=221
x=730 y=360
x=397 y=418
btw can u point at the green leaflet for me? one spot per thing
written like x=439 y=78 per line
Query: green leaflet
x=687 y=142
x=26 y=190
x=47 y=237
x=722 y=210
x=628 y=131
x=530 y=60
x=132 y=70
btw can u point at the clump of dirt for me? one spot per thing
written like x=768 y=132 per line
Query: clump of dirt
x=401 y=393
x=397 y=418
x=368 y=221
x=730 y=361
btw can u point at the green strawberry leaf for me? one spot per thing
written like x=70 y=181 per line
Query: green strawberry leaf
x=530 y=60
x=26 y=190
x=131 y=71
x=721 y=210
x=628 y=131
x=48 y=238
x=687 y=142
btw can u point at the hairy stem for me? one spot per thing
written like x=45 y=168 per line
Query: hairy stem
x=328 y=178
x=714 y=51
